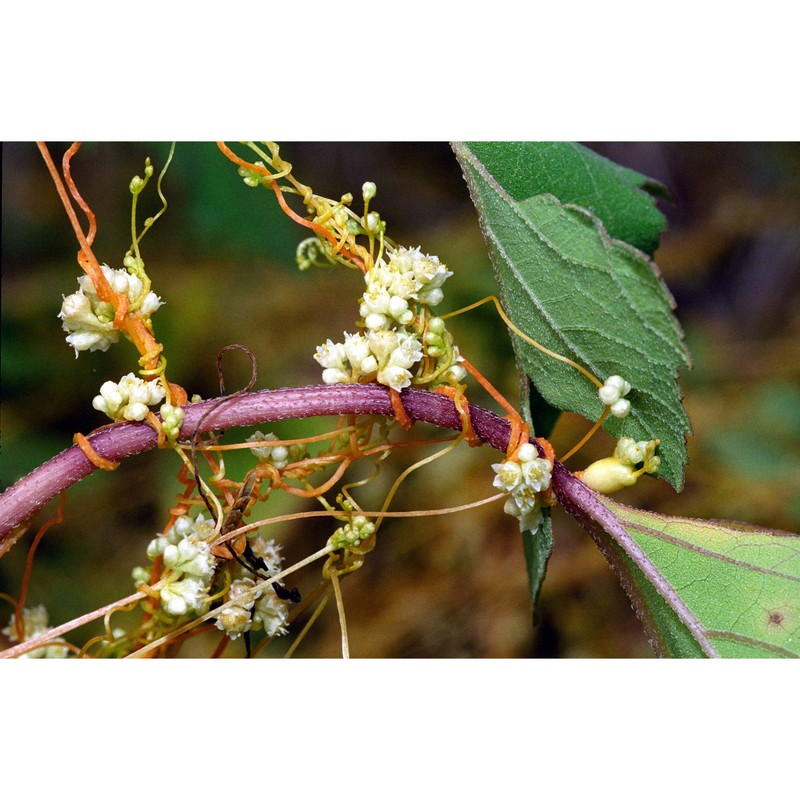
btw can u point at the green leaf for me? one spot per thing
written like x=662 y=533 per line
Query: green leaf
x=739 y=582
x=594 y=299
x=537 y=546
x=624 y=200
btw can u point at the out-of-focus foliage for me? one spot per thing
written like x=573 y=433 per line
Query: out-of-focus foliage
x=221 y=258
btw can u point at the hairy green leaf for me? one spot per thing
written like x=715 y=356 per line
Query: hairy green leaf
x=624 y=200
x=591 y=298
x=741 y=583
x=538 y=546
x=701 y=587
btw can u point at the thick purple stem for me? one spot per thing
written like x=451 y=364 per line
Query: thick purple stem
x=116 y=442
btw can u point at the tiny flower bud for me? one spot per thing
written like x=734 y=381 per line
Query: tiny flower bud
x=368 y=190
x=436 y=325
x=621 y=408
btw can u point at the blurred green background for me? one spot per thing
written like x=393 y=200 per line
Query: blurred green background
x=222 y=257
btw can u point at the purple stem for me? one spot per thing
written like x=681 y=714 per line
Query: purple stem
x=116 y=442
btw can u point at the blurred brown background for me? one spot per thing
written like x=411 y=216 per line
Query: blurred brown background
x=222 y=258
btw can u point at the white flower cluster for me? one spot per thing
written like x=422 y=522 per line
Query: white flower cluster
x=409 y=275
x=186 y=552
x=388 y=355
x=390 y=348
x=612 y=393
x=89 y=320
x=609 y=475
x=35 y=623
x=524 y=477
x=254 y=608
x=129 y=399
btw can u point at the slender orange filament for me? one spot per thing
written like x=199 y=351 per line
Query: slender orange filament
x=285 y=207
x=93 y=455
x=520 y=432
x=399 y=409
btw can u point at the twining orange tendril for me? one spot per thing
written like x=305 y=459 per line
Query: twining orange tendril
x=155 y=422
x=399 y=410
x=550 y=455
x=285 y=207
x=132 y=324
x=93 y=455
x=520 y=432
x=318 y=490
x=87 y=260
x=19 y=621
x=462 y=407
x=73 y=190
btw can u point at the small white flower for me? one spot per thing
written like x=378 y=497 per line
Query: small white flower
x=234 y=621
x=271 y=612
x=110 y=398
x=527 y=452
x=407 y=353
x=396 y=377
x=382 y=344
x=508 y=477
x=181 y=596
x=331 y=356
x=86 y=330
x=237 y=619
x=431 y=297
x=528 y=520
x=398 y=308
x=369 y=365
x=376 y=322
x=536 y=473
x=356 y=349
x=375 y=300
x=368 y=190
x=151 y=303
x=269 y=551
x=526 y=498
x=190 y=558
x=525 y=479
